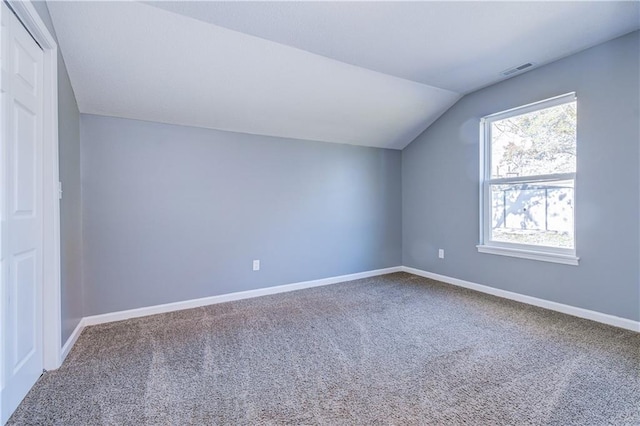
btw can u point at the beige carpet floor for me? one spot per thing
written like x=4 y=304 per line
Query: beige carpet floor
x=396 y=349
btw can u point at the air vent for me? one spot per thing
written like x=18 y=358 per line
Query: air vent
x=517 y=69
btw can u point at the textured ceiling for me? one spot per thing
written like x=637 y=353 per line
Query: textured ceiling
x=362 y=73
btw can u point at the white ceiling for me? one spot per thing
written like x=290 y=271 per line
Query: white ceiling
x=362 y=73
x=457 y=45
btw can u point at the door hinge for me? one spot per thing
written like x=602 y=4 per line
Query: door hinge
x=59 y=190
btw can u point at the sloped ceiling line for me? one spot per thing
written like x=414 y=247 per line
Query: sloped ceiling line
x=300 y=70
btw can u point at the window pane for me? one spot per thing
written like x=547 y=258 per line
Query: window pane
x=533 y=213
x=537 y=143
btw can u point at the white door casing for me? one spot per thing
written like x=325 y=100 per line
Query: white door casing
x=27 y=14
x=21 y=255
x=32 y=21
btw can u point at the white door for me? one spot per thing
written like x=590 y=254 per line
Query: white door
x=22 y=216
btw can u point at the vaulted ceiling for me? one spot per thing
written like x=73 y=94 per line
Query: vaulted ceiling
x=362 y=73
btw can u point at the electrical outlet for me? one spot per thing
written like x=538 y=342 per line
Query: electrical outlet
x=256 y=265
x=441 y=253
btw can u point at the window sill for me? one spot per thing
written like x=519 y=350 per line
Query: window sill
x=530 y=254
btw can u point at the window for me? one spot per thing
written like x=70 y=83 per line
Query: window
x=527 y=182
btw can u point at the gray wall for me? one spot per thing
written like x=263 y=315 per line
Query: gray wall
x=440 y=185
x=70 y=206
x=172 y=213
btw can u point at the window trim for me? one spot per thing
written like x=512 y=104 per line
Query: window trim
x=525 y=251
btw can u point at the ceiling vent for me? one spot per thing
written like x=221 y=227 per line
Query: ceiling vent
x=517 y=69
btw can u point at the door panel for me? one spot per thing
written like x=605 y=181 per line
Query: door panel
x=25 y=291
x=25 y=66
x=22 y=201
x=24 y=161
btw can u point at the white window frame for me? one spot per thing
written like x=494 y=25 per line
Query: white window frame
x=526 y=251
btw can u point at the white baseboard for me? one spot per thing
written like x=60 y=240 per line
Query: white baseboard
x=229 y=297
x=530 y=300
x=195 y=303
x=71 y=341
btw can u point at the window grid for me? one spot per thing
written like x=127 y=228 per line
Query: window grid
x=545 y=182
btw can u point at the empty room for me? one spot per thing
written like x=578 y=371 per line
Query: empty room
x=309 y=212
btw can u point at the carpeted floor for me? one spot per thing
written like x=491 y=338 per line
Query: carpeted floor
x=395 y=349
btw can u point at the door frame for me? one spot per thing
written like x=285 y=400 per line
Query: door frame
x=51 y=303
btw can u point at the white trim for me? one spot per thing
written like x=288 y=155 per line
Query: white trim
x=566 y=259
x=525 y=251
x=532 y=179
x=530 y=300
x=51 y=249
x=535 y=106
x=72 y=340
x=229 y=297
